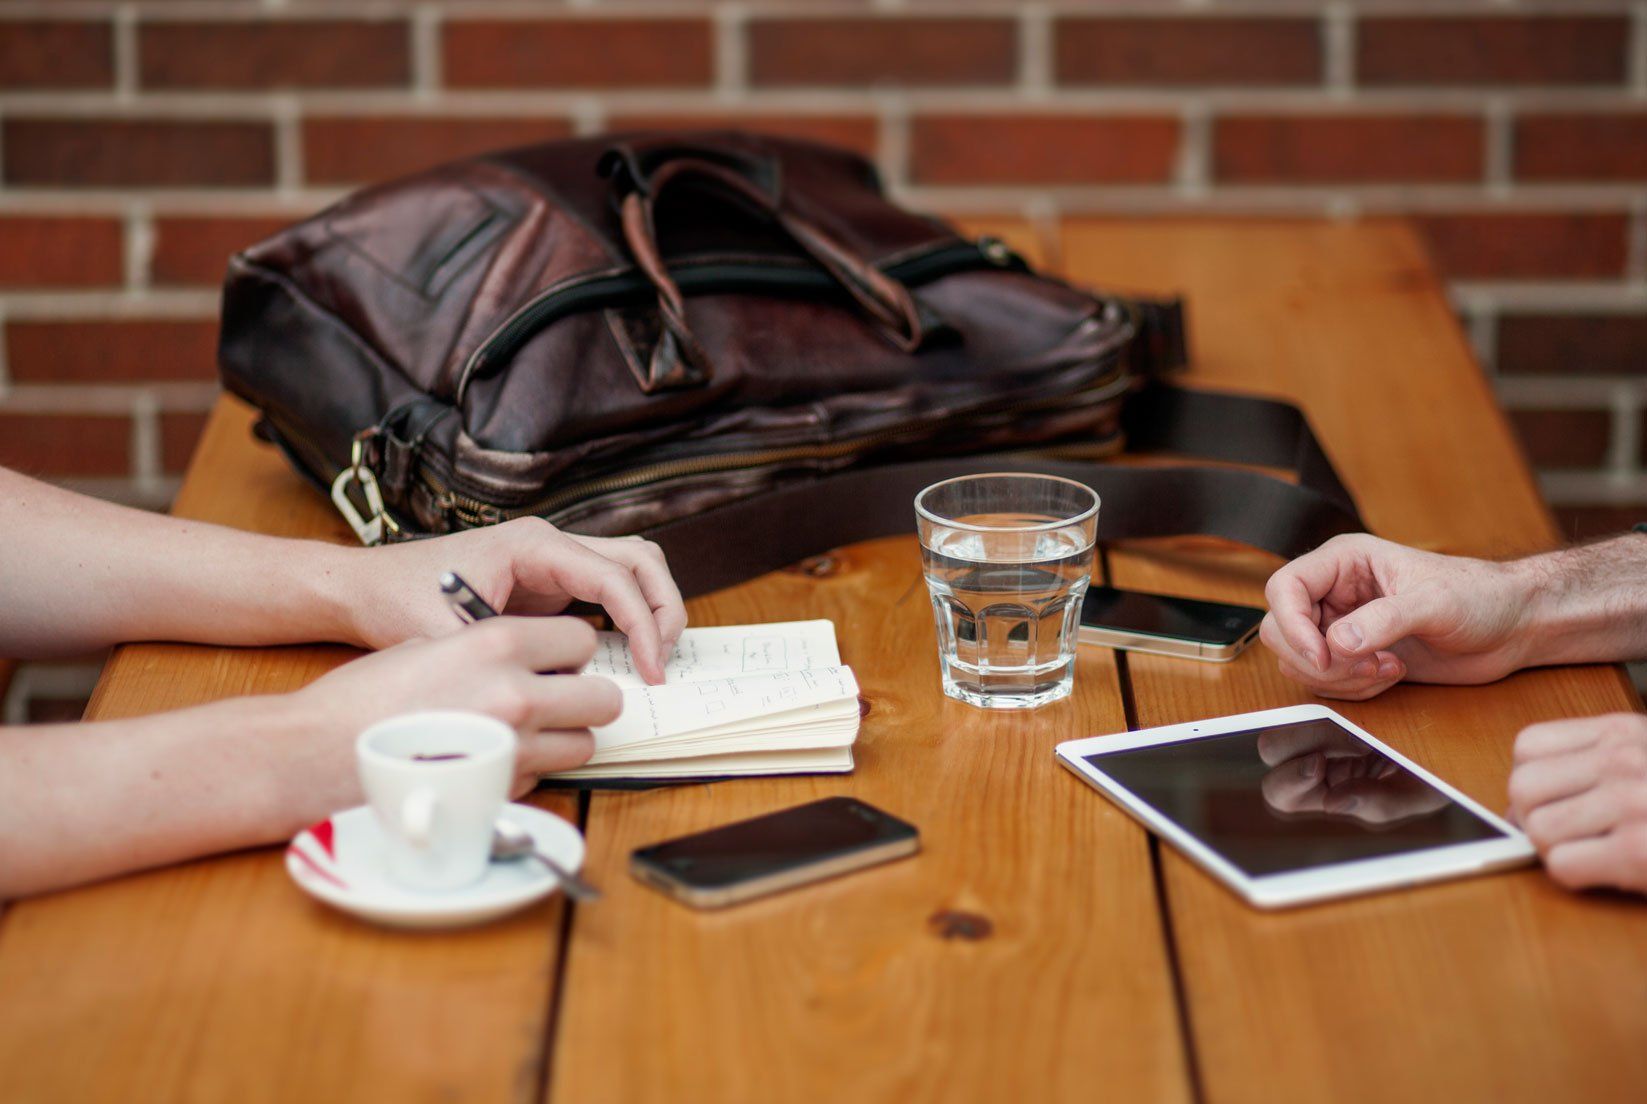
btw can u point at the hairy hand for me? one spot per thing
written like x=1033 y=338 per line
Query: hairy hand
x=1359 y=614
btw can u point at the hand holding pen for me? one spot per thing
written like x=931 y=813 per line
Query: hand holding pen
x=469 y=606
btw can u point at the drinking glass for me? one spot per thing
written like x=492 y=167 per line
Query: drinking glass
x=1007 y=560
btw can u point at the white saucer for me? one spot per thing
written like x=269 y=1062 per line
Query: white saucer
x=340 y=861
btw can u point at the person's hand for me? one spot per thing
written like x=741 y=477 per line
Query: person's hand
x=1579 y=791
x=1360 y=614
x=525 y=566
x=492 y=668
x=1322 y=769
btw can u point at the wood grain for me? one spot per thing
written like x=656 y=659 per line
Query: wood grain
x=218 y=980
x=853 y=990
x=1501 y=988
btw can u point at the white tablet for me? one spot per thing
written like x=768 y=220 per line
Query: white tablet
x=1294 y=805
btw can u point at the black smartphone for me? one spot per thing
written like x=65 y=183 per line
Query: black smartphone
x=1160 y=623
x=782 y=850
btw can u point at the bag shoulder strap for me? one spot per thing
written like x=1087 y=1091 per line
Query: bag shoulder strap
x=740 y=540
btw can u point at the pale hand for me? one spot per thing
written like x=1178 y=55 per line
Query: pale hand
x=525 y=566
x=1579 y=791
x=492 y=668
x=1360 y=614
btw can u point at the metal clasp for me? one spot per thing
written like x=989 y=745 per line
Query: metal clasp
x=372 y=527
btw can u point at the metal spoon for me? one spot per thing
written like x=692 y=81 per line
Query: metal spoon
x=510 y=841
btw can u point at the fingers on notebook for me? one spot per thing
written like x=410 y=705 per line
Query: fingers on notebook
x=651 y=570
x=555 y=702
x=555 y=750
x=592 y=577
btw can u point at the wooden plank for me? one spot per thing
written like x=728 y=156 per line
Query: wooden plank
x=853 y=990
x=1500 y=988
x=219 y=980
x=863 y=989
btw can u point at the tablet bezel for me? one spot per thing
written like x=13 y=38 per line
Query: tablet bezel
x=1316 y=883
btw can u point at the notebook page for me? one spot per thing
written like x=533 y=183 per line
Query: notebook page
x=653 y=713
x=724 y=651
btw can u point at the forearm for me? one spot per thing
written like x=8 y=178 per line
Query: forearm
x=78 y=574
x=1587 y=604
x=87 y=801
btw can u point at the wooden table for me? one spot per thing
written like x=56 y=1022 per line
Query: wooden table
x=1041 y=948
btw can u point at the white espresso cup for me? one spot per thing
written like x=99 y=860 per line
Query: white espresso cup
x=437 y=781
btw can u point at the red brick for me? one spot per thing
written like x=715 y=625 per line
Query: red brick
x=1526 y=245
x=1042 y=149
x=1563 y=438
x=1188 y=51
x=802 y=52
x=137 y=153
x=578 y=53
x=1508 y=50
x=355 y=149
x=1323 y=149
x=77 y=54
x=66 y=444
x=1579 y=523
x=854 y=132
x=1572 y=344
x=285 y=54
x=196 y=250
x=179 y=433
x=53 y=251
x=1582 y=147
x=111 y=351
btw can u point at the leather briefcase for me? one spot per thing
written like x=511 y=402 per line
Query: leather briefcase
x=734 y=345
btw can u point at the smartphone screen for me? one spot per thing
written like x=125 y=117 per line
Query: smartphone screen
x=1165 y=616
x=823 y=833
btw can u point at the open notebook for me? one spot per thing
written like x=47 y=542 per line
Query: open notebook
x=739 y=700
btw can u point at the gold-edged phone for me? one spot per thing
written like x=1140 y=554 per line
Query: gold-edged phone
x=1131 y=620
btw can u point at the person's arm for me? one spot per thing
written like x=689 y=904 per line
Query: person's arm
x=86 y=801
x=79 y=574
x=1360 y=614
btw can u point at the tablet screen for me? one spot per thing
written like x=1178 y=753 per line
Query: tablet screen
x=1290 y=797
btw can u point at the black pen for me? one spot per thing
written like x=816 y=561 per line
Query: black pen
x=469 y=606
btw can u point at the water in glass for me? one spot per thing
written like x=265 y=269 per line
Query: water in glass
x=1007 y=584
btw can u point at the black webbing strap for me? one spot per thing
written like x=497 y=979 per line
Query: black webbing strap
x=762 y=533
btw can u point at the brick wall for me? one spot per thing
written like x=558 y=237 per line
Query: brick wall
x=141 y=142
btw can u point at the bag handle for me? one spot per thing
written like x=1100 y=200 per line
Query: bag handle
x=643 y=174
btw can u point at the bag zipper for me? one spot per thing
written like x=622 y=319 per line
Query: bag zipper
x=632 y=288
x=473 y=512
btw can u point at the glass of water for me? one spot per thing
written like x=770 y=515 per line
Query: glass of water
x=1007 y=560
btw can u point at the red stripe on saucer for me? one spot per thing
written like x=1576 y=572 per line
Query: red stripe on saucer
x=319 y=871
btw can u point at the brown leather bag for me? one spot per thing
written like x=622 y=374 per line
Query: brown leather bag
x=733 y=345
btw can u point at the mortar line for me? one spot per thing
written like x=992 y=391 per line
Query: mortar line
x=1035 y=61
x=731 y=51
x=425 y=32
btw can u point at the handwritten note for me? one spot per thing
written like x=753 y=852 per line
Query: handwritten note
x=725 y=651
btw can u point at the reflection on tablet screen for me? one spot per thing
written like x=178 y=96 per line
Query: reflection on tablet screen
x=1293 y=796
